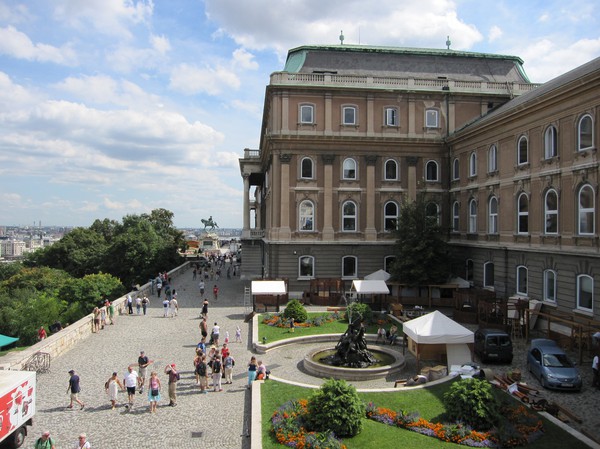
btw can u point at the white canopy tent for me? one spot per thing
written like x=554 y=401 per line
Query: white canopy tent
x=265 y=289
x=379 y=275
x=434 y=334
x=370 y=287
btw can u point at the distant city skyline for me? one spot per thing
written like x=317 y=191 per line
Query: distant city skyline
x=116 y=108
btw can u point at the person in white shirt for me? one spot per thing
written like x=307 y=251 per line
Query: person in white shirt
x=173 y=307
x=595 y=367
x=216 y=330
x=131 y=381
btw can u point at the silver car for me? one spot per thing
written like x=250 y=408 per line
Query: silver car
x=549 y=363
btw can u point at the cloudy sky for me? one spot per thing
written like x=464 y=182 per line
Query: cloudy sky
x=116 y=107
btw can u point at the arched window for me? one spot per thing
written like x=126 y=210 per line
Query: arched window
x=306 y=267
x=550 y=143
x=306 y=168
x=307 y=116
x=472 y=216
x=473 y=164
x=493 y=215
x=431 y=171
x=522 y=151
x=492 y=159
x=349 y=267
x=455 y=169
x=390 y=216
x=587 y=210
x=522 y=280
x=391 y=170
x=432 y=211
x=585 y=132
x=551 y=212
x=349 y=216
x=585 y=292
x=488 y=274
x=455 y=216
x=306 y=215
x=523 y=214
x=349 y=169
x=550 y=285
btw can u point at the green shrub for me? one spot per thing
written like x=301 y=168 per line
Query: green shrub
x=357 y=308
x=336 y=407
x=295 y=310
x=472 y=402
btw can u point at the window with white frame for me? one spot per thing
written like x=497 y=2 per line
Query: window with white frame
x=455 y=169
x=585 y=132
x=431 y=118
x=306 y=267
x=431 y=171
x=391 y=170
x=472 y=216
x=306 y=168
x=551 y=212
x=349 y=267
x=522 y=280
x=349 y=169
x=391 y=117
x=388 y=263
x=493 y=215
x=550 y=285
x=586 y=210
x=523 y=214
x=307 y=116
x=522 y=151
x=432 y=212
x=473 y=164
x=349 y=215
x=550 y=143
x=306 y=215
x=488 y=274
x=455 y=216
x=390 y=216
x=492 y=159
x=349 y=115
x=585 y=292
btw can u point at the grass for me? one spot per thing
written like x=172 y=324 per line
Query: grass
x=18 y=348
x=273 y=333
x=380 y=436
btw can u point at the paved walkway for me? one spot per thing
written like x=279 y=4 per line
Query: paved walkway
x=212 y=420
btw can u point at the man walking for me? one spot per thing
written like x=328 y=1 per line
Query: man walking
x=173 y=378
x=143 y=363
x=74 y=388
x=131 y=381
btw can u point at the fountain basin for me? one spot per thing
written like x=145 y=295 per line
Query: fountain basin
x=315 y=368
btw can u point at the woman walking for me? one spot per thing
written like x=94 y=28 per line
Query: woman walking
x=153 y=391
x=251 y=371
x=112 y=386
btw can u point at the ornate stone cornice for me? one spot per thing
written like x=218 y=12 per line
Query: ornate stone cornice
x=285 y=158
x=412 y=160
x=371 y=159
x=328 y=158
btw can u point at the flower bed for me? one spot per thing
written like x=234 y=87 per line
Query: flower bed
x=277 y=320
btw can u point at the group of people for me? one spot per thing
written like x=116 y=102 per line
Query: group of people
x=47 y=442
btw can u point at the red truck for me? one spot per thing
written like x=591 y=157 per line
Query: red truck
x=17 y=406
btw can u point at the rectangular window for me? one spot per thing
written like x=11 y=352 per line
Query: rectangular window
x=306 y=114
x=431 y=118
x=585 y=292
x=488 y=274
x=391 y=117
x=349 y=117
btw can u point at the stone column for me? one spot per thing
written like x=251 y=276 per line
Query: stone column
x=246 y=217
x=285 y=113
x=370 y=231
x=412 y=161
x=411 y=116
x=284 y=230
x=370 y=116
x=328 y=233
x=328 y=115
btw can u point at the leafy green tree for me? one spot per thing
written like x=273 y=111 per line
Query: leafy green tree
x=295 y=310
x=472 y=402
x=422 y=253
x=42 y=279
x=83 y=294
x=8 y=270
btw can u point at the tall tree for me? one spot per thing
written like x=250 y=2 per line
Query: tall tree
x=422 y=253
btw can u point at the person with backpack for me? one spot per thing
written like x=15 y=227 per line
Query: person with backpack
x=217 y=367
x=202 y=373
x=45 y=442
x=228 y=364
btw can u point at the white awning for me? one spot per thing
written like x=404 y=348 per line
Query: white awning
x=370 y=287
x=268 y=288
x=379 y=275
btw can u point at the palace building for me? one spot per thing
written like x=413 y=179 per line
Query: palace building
x=510 y=168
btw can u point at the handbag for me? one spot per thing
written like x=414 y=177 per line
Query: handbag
x=154 y=392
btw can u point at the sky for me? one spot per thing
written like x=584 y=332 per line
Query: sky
x=111 y=108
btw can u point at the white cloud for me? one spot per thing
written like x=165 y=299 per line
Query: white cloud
x=495 y=33
x=18 y=45
x=14 y=96
x=192 y=80
x=244 y=60
x=123 y=205
x=160 y=43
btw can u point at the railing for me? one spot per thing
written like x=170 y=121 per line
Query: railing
x=248 y=153
x=38 y=362
x=376 y=82
x=257 y=233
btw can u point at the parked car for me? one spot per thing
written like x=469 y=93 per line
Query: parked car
x=549 y=363
x=493 y=345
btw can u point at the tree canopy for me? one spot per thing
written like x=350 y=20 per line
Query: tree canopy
x=422 y=253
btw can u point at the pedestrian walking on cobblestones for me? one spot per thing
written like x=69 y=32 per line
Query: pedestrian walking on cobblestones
x=153 y=391
x=202 y=371
x=205 y=309
x=143 y=363
x=216 y=292
x=45 y=442
x=145 y=302
x=201 y=287
x=74 y=388
x=203 y=328
x=216 y=373
x=111 y=312
x=173 y=378
x=82 y=442
x=228 y=364
x=214 y=335
x=112 y=386
x=131 y=381
x=129 y=304
x=238 y=335
x=165 y=307
x=252 y=366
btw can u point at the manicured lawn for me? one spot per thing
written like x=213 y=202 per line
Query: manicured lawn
x=380 y=436
x=273 y=333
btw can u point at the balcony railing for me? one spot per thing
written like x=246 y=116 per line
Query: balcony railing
x=249 y=154
x=389 y=82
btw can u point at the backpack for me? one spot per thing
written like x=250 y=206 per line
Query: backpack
x=216 y=366
x=201 y=369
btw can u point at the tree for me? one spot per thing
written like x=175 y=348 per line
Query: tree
x=422 y=253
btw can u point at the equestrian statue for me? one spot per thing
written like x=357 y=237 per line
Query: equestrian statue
x=209 y=223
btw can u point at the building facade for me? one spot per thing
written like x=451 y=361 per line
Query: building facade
x=350 y=133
